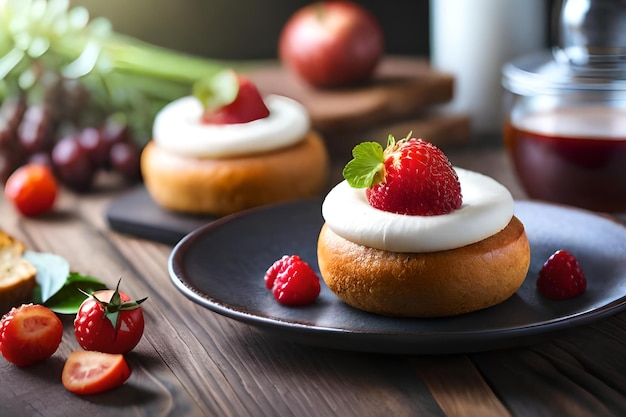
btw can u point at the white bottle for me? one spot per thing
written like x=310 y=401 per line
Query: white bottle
x=473 y=39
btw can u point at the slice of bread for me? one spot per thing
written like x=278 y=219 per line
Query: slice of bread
x=17 y=275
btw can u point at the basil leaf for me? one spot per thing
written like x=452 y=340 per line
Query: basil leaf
x=69 y=298
x=52 y=272
x=77 y=278
x=58 y=288
x=368 y=162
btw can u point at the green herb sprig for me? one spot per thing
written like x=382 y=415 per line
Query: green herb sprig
x=57 y=288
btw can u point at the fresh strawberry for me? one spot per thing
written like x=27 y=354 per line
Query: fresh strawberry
x=410 y=176
x=230 y=98
x=29 y=334
x=561 y=277
x=292 y=281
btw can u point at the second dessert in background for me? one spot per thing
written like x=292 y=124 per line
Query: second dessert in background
x=227 y=149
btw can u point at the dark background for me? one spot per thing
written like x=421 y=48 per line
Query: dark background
x=249 y=29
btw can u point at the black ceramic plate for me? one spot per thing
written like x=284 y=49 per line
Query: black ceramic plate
x=221 y=266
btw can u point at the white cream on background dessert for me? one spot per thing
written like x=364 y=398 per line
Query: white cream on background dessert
x=178 y=129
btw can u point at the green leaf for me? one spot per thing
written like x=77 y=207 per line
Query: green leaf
x=69 y=298
x=115 y=305
x=361 y=172
x=113 y=317
x=85 y=63
x=217 y=90
x=52 y=273
x=58 y=288
x=10 y=60
x=89 y=281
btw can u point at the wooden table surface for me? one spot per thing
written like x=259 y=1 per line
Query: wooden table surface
x=194 y=362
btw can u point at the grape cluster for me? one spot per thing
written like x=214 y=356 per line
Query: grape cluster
x=47 y=133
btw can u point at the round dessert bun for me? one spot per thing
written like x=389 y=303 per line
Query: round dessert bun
x=222 y=186
x=434 y=284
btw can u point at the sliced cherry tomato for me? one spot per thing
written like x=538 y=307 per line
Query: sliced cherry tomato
x=88 y=372
x=29 y=334
x=32 y=188
x=109 y=323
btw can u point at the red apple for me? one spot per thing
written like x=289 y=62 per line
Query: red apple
x=332 y=43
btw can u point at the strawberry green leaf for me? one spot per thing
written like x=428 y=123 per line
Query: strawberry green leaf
x=115 y=305
x=217 y=90
x=52 y=272
x=367 y=162
x=58 y=288
x=69 y=298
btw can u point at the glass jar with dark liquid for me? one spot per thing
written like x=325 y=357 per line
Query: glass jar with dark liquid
x=565 y=123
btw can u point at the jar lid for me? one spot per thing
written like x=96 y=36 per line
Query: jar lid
x=591 y=54
x=544 y=73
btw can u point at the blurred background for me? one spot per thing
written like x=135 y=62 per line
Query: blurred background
x=440 y=78
x=239 y=30
x=249 y=29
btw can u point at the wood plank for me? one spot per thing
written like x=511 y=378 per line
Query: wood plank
x=458 y=387
x=585 y=364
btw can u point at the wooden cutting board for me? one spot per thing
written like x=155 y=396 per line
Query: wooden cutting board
x=398 y=99
x=401 y=87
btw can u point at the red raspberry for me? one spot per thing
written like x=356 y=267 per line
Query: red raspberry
x=561 y=277
x=278 y=266
x=292 y=281
x=411 y=176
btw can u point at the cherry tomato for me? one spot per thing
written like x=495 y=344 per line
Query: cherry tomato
x=29 y=334
x=32 y=188
x=94 y=323
x=87 y=373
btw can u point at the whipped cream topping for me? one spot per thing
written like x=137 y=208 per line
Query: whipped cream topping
x=177 y=128
x=487 y=209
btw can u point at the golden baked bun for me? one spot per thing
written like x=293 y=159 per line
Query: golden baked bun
x=435 y=284
x=17 y=275
x=224 y=186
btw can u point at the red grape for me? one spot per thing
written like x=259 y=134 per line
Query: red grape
x=72 y=164
x=92 y=141
x=35 y=132
x=124 y=159
x=7 y=166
